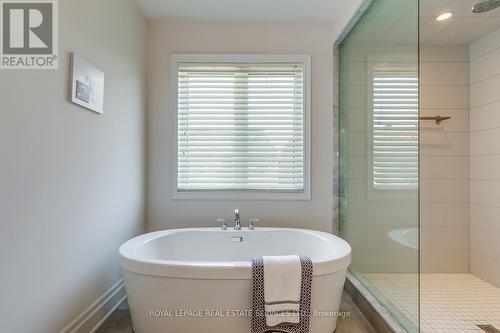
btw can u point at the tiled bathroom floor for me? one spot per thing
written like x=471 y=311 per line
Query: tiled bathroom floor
x=450 y=303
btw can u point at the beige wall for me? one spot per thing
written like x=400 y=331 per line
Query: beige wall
x=167 y=37
x=71 y=180
x=485 y=158
x=444 y=159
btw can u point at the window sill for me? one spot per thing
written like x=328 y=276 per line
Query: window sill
x=232 y=196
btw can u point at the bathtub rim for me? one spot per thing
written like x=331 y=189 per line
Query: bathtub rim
x=131 y=262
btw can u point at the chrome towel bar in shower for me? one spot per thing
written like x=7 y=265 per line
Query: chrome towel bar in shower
x=437 y=119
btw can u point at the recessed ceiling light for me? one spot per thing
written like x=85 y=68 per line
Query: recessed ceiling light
x=444 y=16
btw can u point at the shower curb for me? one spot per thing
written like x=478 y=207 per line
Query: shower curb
x=377 y=315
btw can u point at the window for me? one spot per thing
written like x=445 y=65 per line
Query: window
x=241 y=127
x=395 y=129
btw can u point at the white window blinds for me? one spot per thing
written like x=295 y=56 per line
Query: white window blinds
x=395 y=130
x=240 y=127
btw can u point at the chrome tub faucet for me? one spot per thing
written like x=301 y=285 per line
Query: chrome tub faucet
x=237 y=223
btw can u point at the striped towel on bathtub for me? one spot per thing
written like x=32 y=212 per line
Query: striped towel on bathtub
x=258 y=324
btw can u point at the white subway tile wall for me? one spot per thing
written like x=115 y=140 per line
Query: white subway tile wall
x=444 y=160
x=485 y=158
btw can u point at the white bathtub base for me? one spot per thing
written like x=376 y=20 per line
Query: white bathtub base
x=165 y=304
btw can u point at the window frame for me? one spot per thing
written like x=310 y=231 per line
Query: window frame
x=175 y=60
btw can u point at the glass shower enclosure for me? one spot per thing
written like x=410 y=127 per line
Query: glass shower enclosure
x=379 y=154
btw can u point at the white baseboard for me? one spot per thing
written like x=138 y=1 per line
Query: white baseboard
x=97 y=312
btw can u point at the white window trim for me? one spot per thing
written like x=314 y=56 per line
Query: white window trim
x=175 y=59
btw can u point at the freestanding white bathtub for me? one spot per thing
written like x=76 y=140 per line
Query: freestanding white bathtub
x=199 y=280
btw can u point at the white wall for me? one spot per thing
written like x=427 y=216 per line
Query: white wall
x=444 y=159
x=485 y=158
x=167 y=37
x=71 y=180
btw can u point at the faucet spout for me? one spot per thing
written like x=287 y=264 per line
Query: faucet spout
x=237 y=223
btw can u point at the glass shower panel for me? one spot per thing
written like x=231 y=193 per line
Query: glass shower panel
x=379 y=154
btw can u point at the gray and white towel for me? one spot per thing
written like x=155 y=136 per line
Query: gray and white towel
x=282 y=284
x=258 y=324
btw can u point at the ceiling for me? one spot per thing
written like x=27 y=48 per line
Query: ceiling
x=463 y=28
x=250 y=10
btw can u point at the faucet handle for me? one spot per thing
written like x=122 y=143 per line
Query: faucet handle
x=251 y=226
x=223 y=221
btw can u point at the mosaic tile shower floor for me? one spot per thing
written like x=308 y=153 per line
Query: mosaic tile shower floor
x=450 y=303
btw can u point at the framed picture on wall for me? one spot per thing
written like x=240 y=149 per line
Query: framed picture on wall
x=87 y=84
